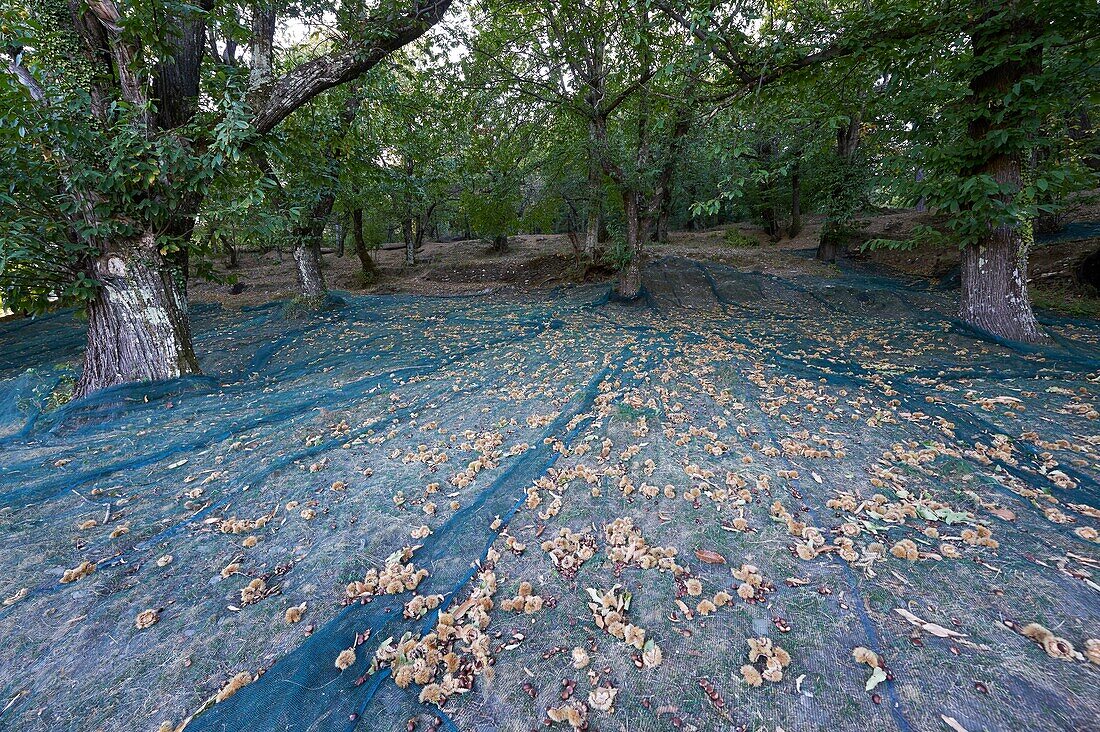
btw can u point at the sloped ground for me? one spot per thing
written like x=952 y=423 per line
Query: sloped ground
x=537 y=261
x=579 y=484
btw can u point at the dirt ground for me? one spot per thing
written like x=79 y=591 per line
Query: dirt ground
x=537 y=261
x=533 y=261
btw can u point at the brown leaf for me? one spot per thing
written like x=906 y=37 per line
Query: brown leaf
x=706 y=555
x=952 y=723
x=1003 y=513
x=941 y=632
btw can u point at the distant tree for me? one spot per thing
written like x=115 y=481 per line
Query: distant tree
x=630 y=83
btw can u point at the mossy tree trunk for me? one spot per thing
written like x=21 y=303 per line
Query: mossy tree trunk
x=834 y=230
x=307 y=251
x=994 y=268
x=629 y=284
x=366 y=263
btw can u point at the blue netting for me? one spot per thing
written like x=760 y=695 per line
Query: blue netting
x=309 y=455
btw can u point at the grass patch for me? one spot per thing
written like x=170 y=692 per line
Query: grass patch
x=628 y=413
x=734 y=238
x=1066 y=302
x=62 y=394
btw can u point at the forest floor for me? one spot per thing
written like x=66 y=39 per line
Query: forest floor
x=536 y=261
x=757 y=498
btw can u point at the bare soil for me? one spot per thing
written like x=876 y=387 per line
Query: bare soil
x=533 y=261
x=540 y=261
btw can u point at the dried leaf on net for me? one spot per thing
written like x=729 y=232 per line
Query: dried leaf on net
x=932 y=628
x=147 y=619
x=709 y=557
x=294 y=613
x=953 y=723
x=235 y=684
x=1092 y=650
x=77 y=573
x=602 y=698
x=575 y=715
x=345 y=659
x=651 y=654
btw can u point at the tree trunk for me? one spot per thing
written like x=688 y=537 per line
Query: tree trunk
x=137 y=323
x=231 y=251
x=768 y=217
x=833 y=230
x=422 y=228
x=311 y=280
x=370 y=270
x=795 y=227
x=994 y=294
x=767 y=213
x=831 y=243
x=994 y=287
x=341 y=233
x=408 y=230
x=500 y=243
x=595 y=202
x=262 y=43
x=177 y=75
x=663 y=216
x=307 y=251
x=629 y=284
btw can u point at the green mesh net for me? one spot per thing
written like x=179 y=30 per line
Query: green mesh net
x=744 y=502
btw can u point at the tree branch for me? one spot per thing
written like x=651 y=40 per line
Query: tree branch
x=26 y=79
x=274 y=102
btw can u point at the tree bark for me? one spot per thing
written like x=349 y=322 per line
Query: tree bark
x=307 y=251
x=370 y=270
x=277 y=99
x=767 y=214
x=233 y=261
x=994 y=287
x=262 y=43
x=663 y=215
x=311 y=280
x=341 y=233
x=629 y=284
x=994 y=294
x=795 y=227
x=832 y=240
x=176 y=78
x=830 y=244
x=137 y=323
x=768 y=217
x=595 y=199
x=408 y=231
